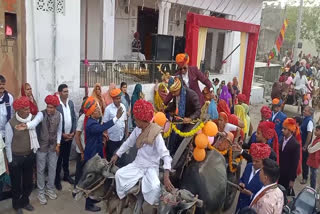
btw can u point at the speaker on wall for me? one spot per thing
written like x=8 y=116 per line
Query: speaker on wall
x=179 y=45
x=162 y=46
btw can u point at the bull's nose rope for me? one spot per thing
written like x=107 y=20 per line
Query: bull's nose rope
x=87 y=192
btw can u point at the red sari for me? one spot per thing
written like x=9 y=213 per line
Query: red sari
x=33 y=104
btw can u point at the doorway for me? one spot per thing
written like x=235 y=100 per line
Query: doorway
x=147 y=25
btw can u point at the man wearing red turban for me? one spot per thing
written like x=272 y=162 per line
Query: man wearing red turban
x=250 y=180
x=151 y=148
x=21 y=145
x=190 y=76
x=49 y=125
x=290 y=150
x=266 y=113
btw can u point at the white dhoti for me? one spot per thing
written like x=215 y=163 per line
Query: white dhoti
x=128 y=176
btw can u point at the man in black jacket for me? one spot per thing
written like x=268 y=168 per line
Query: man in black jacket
x=66 y=108
x=289 y=153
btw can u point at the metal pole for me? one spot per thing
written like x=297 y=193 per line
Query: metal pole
x=295 y=58
x=86 y=64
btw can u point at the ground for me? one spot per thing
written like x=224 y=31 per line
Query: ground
x=65 y=204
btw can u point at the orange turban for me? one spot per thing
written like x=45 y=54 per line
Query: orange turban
x=224 y=116
x=182 y=59
x=260 y=150
x=20 y=103
x=143 y=110
x=277 y=102
x=115 y=92
x=290 y=124
x=89 y=106
x=52 y=100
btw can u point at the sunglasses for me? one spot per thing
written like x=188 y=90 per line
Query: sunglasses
x=183 y=68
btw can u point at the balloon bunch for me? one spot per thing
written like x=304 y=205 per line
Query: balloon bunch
x=204 y=139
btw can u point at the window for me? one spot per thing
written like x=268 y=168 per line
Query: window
x=51 y=6
x=10 y=25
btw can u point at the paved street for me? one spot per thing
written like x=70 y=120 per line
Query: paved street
x=66 y=205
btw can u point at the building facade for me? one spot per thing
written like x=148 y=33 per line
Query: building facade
x=56 y=40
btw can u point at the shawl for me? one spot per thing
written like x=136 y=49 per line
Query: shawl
x=246 y=108
x=98 y=97
x=34 y=143
x=136 y=95
x=33 y=104
x=225 y=95
x=212 y=110
x=241 y=113
x=160 y=94
x=106 y=96
x=148 y=135
x=223 y=107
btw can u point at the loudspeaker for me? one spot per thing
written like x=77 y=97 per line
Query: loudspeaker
x=162 y=47
x=179 y=45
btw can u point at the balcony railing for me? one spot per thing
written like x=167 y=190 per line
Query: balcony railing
x=117 y=71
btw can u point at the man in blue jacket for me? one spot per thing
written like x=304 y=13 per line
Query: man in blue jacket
x=278 y=116
x=250 y=182
x=93 y=136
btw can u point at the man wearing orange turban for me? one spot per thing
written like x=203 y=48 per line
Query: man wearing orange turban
x=289 y=153
x=250 y=180
x=151 y=148
x=278 y=116
x=93 y=136
x=190 y=75
x=119 y=131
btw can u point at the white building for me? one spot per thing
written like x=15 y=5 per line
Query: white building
x=55 y=34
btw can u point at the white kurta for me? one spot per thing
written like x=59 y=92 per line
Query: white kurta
x=145 y=167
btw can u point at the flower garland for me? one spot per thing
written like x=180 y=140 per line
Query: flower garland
x=167 y=134
x=187 y=134
x=224 y=152
x=237 y=160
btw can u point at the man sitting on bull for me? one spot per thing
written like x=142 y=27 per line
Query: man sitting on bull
x=186 y=105
x=151 y=148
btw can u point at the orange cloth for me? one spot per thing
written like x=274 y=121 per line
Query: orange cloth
x=89 y=106
x=224 y=116
x=182 y=59
x=115 y=92
x=290 y=124
x=98 y=96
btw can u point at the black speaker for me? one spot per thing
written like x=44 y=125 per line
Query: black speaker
x=179 y=45
x=162 y=47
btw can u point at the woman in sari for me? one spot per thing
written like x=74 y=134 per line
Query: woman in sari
x=136 y=95
x=26 y=90
x=226 y=96
x=246 y=108
x=240 y=112
x=97 y=95
x=106 y=96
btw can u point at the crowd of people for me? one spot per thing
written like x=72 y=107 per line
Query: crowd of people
x=110 y=123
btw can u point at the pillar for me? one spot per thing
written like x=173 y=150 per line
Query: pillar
x=161 y=6
x=108 y=29
x=166 y=18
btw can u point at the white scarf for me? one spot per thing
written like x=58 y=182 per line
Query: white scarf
x=32 y=132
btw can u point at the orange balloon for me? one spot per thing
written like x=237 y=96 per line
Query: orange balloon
x=160 y=119
x=210 y=129
x=201 y=141
x=199 y=154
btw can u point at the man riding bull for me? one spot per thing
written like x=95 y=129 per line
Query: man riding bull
x=151 y=148
x=186 y=105
x=190 y=76
x=301 y=83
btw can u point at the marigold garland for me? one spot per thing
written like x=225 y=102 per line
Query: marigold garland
x=224 y=152
x=237 y=160
x=167 y=134
x=187 y=134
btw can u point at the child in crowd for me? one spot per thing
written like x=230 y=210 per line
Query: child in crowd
x=314 y=157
